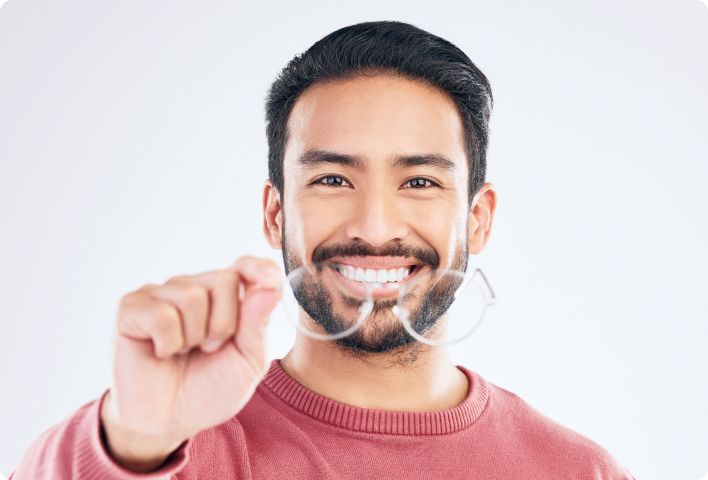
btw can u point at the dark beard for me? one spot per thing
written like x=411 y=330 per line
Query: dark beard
x=386 y=333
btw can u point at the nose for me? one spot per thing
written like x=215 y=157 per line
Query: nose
x=377 y=220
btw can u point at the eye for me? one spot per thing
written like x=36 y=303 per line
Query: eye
x=332 y=181
x=419 y=182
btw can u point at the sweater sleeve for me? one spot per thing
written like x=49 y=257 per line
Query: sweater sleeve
x=74 y=449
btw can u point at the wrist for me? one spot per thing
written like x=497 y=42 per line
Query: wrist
x=132 y=450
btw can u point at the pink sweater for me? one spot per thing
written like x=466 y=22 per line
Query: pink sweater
x=289 y=432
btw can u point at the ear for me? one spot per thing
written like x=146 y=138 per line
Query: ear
x=272 y=215
x=481 y=218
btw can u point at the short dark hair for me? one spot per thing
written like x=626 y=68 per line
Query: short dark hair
x=384 y=47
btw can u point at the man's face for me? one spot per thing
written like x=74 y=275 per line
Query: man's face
x=379 y=202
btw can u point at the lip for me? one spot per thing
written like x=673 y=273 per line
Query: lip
x=384 y=290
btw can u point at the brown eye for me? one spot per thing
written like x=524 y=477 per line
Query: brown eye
x=418 y=183
x=332 y=180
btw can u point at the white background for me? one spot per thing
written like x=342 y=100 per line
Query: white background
x=132 y=149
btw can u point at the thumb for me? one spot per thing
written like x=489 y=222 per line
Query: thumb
x=250 y=337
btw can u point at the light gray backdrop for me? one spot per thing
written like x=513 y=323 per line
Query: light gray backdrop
x=132 y=149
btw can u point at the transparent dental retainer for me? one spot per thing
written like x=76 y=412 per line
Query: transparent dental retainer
x=436 y=307
x=320 y=290
x=443 y=307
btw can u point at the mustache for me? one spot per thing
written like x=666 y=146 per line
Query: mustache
x=359 y=249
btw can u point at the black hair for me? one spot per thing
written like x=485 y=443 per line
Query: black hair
x=384 y=47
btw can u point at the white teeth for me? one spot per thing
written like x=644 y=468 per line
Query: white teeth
x=359 y=275
x=402 y=273
x=381 y=276
x=371 y=275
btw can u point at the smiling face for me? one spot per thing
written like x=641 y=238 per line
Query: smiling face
x=376 y=183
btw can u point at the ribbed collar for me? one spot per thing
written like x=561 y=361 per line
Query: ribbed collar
x=359 y=419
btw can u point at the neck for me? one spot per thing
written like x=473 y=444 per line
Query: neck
x=422 y=378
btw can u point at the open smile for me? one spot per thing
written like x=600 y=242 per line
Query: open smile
x=381 y=282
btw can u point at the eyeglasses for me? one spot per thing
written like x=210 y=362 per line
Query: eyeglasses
x=437 y=307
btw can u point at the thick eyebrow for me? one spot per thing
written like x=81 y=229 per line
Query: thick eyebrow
x=434 y=160
x=313 y=158
x=317 y=157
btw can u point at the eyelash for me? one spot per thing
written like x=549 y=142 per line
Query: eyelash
x=319 y=181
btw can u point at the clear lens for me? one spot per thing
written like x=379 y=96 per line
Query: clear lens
x=441 y=307
x=335 y=305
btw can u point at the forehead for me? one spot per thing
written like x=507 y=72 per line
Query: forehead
x=376 y=118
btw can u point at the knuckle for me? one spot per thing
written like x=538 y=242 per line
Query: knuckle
x=260 y=265
x=131 y=300
x=177 y=279
x=270 y=267
x=227 y=278
x=136 y=297
x=240 y=261
x=126 y=301
x=164 y=317
x=250 y=260
x=195 y=293
x=145 y=290
x=267 y=262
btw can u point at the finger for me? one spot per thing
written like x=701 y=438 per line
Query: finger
x=250 y=338
x=223 y=292
x=192 y=301
x=142 y=317
x=255 y=271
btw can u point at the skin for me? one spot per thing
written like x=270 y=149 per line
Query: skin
x=377 y=118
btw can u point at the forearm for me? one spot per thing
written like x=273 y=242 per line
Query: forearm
x=74 y=449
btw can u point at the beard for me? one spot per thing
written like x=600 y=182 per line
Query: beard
x=382 y=331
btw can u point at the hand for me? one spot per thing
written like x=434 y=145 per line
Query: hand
x=188 y=356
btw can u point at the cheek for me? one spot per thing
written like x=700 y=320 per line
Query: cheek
x=310 y=222
x=441 y=225
x=441 y=219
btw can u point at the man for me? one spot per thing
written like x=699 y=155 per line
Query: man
x=377 y=138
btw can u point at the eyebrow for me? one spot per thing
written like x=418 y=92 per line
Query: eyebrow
x=435 y=160
x=313 y=158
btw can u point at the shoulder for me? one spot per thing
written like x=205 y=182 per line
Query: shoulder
x=544 y=439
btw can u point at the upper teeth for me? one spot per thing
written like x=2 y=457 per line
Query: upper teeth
x=372 y=275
